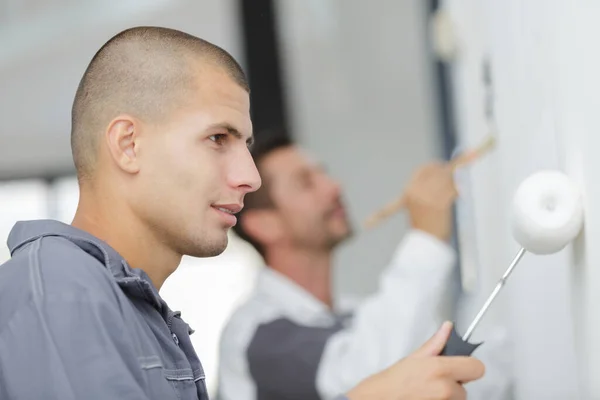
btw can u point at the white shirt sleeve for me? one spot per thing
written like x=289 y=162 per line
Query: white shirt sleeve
x=396 y=320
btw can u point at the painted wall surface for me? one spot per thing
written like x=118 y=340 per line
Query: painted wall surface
x=545 y=75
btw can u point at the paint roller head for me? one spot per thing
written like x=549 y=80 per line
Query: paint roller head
x=547 y=212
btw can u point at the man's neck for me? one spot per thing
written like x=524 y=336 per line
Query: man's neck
x=127 y=235
x=310 y=270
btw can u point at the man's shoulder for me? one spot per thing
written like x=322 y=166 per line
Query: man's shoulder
x=245 y=320
x=50 y=273
x=254 y=310
x=53 y=265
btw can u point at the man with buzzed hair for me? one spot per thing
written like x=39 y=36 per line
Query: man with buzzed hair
x=160 y=134
x=118 y=72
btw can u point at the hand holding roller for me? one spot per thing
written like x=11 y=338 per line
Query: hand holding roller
x=547 y=214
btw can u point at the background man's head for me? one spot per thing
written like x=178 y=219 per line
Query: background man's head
x=298 y=204
x=161 y=126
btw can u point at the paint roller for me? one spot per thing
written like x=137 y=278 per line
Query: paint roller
x=547 y=215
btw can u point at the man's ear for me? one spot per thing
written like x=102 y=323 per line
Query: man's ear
x=263 y=225
x=122 y=138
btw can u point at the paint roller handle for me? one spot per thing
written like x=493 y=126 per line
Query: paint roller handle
x=456 y=346
x=460 y=346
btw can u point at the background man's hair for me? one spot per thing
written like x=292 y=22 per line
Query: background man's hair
x=145 y=71
x=265 y=144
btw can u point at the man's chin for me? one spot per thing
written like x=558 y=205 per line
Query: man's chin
x=346 y=230
x=341 y=236
x=349 y=233
x=209 y=248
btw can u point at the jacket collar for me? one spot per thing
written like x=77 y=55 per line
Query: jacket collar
x=132 y=280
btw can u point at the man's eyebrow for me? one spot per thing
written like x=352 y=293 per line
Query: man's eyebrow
x=233 y=132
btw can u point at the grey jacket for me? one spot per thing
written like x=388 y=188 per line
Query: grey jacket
x=76 y=322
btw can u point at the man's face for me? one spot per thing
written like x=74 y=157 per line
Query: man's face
x=196 y=168
x=306 y=199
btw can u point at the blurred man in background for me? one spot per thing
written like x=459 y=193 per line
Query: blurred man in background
x=291 y=340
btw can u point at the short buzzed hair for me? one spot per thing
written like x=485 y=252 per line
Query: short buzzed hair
x=145 y=71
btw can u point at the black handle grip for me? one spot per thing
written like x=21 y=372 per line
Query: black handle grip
x=458 y=347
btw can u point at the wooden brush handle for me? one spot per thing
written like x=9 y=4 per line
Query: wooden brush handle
x=463 y=159
x=386 y=212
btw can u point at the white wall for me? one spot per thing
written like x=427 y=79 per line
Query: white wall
x=361 y=102
x=578 y=82
x=545 y=77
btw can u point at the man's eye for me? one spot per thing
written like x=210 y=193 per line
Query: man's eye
x=219 y=138
x=305 y=181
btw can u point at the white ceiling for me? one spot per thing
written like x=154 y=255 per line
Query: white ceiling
x=44 y=51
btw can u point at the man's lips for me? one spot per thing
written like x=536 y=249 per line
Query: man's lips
x=228 y=211
x=232 y=209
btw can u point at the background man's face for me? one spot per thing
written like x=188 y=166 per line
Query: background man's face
x=306 y=199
